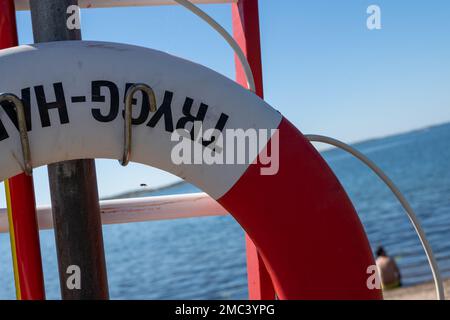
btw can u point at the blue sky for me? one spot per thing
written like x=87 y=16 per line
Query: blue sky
x=323 y=68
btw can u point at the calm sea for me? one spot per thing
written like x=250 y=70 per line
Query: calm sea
x=204 y=258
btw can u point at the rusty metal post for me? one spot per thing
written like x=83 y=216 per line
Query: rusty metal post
x=73 y=184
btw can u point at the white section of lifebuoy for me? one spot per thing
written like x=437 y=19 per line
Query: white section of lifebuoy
x=75 y=65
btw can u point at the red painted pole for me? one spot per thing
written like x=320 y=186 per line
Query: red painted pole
x=23 y=226
x=8 y=33
x=246 y=32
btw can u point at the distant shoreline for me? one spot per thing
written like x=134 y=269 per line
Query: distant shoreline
x=424 y=291
x=358 y=142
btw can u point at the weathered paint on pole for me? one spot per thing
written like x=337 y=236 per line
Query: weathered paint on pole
x=245 y=16
x=73 y=184
x=23 y=228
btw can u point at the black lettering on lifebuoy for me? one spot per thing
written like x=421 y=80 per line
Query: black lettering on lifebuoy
x=45 y=106
x=98 y=97
x=164 y=111
x=189 y=117
x=220 y=125
x=3 y=134
x=12 y=114
x=145 y=110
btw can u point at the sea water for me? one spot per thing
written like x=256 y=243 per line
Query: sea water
x=204 y=258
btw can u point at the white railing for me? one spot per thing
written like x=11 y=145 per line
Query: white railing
x=25 y=4
x=139 y=210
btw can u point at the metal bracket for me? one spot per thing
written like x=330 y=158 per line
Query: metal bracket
x=128 y=116
x=22 y=123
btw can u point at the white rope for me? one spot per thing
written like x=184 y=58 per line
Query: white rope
x=228 y=38
x=409 y=211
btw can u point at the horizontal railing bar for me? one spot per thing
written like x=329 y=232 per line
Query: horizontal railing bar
x=25 y=4
x=139 y=210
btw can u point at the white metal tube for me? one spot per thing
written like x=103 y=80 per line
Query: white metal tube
x=188 y=4
x=228 y=38
x=25 y=5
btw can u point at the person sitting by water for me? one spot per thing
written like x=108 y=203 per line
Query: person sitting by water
x=389 y=272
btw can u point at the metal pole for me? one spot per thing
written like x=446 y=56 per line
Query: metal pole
x=245 y=16
x=23 y=228
x=73 y=185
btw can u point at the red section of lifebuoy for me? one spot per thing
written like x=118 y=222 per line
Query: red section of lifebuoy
x=304 y=225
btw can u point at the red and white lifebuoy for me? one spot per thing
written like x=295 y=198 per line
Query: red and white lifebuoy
x=300 y=218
